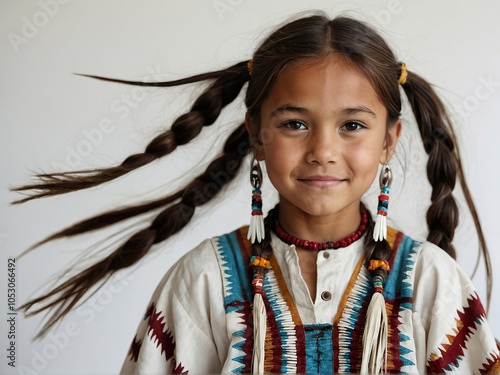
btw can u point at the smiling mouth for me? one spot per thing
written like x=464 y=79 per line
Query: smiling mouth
x=321 y=181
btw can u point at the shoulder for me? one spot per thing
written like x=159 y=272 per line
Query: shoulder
x=211 y=250
x=196 y=280
x=422 y=270
x=432 y=279
x=432 y=265
x=447 y=311
x=438 y=276
x=423 y=256
x=188 y=275
x=200 y=265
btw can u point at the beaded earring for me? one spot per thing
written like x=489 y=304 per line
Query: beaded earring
x=380 y=230
x=256 y=232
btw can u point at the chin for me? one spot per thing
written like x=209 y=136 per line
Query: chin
x=327 y=208
x=322 y=209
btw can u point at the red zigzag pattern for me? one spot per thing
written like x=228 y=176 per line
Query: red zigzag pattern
x=164 y=339
x=492 y=364
x=452 y=351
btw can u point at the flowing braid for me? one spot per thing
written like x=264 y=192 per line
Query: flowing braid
x=439 y=143
x=170 y=221
x=238 y=139
x=204 y=112
x=374 y=250
x=443 y=166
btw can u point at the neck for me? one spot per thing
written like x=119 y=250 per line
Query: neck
x=320 y=228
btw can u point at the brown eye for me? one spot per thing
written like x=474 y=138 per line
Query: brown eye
x=352 y=126
x=294 y=125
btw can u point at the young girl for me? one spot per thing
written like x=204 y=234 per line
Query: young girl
x=319 y=286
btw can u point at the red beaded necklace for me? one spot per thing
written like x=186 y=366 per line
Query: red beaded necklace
x=310 y=245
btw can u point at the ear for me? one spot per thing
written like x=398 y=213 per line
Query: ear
x=391 y=141
x=258 y=150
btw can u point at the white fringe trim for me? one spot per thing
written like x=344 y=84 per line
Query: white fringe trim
x=259 y=334
x=284 y=321
x=375 y=337
x=380 y=230
x=256 y=230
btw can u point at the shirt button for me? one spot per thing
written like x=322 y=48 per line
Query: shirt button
x=326 y=255
x=326 y=296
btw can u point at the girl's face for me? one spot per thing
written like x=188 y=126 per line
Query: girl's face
x=323 y=132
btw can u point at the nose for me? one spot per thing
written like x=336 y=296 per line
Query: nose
x=323 y=147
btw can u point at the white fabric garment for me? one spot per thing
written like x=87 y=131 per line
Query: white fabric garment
x=187 y=327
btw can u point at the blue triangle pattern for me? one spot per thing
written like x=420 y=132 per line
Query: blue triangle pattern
x=407 y=362
x=239 y=359
x=238 y=370
x=403 y=338
x=235 y=273
x=239 y=345
x=403 y=350
x=237 y=285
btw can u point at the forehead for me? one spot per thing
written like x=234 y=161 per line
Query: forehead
x=330 y=84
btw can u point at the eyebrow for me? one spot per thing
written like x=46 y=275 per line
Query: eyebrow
x=346 y=111
x=288 y=108
x=359 y=109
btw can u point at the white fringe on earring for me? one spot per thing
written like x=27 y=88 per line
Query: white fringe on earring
x=259 y=334
x=380 y=229
x=375 y=336
x=256 y=230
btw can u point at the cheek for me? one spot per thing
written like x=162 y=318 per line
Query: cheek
x=279 y=154
x=365 y=158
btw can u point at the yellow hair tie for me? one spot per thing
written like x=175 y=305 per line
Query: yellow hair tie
x=404 y=74
x=375 y=263
x=260 y=262
x=250 y=66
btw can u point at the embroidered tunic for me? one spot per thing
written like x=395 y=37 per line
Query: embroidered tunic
x=200 y=316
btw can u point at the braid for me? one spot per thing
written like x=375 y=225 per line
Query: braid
x=375 y=250
x=204 y=112
x=261 y=253
x=443 y=167
x=439 y=143
x=170 y=221
x=237 y=144
x=264 y=249
x=375 y=331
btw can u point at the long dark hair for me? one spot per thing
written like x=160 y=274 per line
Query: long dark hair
x=310 y=37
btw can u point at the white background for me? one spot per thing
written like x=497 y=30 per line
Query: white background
x=47 y=114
